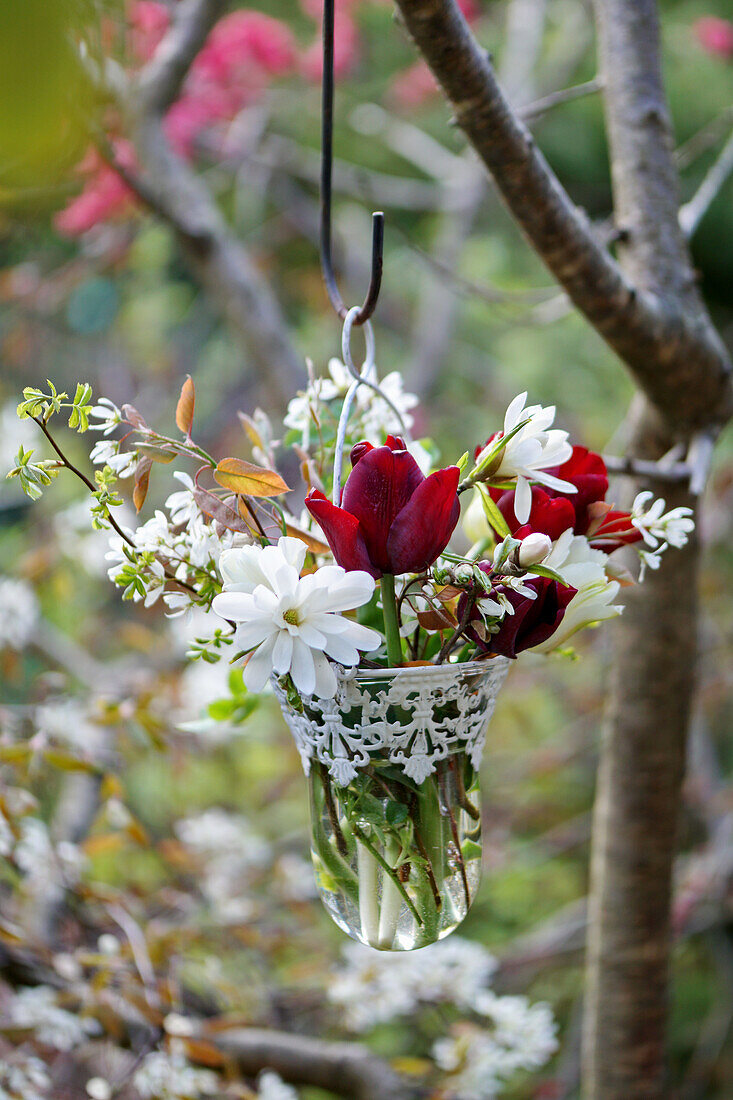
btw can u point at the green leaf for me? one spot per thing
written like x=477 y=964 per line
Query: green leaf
x=493 y=516
x=396 y=813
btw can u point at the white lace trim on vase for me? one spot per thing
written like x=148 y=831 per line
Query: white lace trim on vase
x=416 y=715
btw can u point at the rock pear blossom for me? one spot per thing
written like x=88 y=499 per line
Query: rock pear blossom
x=530 y=453
x=19 y=613
x=293 y=623
x=104 y=417
x=657 y=526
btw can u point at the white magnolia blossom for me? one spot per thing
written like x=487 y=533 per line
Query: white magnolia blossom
x=479 y=1061
x=106 y=452
x=370 y=988
x=163 y=1076
x=294 y=622
x=229 y=851
x=24 y=1078
x=107 y=417
x=19 y=613
x=53 y=1026
x=530 y=453
x=272 y=1087
x=585 y=569
x=672 y=528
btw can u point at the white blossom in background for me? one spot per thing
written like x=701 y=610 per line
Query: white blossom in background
x=293 y=878
x=657 y=526
x=293 y=623
x=371 y=988
x=41 y=862
x=530 y=453
x=104 y=417
x=480 y=1061
x=53 y=1026
x=377 y=416
x=19 y=613
x=585 y=569
x=80 y=541
x=25 y=1078
x=272 y=1087
x=7 y=837
x=230 y=852
x=67 y=721
x=164 y=1076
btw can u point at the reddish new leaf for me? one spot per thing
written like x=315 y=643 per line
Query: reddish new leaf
x=142 y=480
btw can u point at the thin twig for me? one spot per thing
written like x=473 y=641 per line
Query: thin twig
x=692 y=213
x=564 y=95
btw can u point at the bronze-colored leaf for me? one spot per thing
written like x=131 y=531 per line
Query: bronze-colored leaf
x=252 y=431
x=185 y=407
x=249 y=479
x=315 y=545
x=436 y=619
x=142 y=480
x=132 y=416
x=156 y=454
x=219 y=511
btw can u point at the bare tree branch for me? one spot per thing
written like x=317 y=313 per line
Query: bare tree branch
x=180 y=197
x=161 y=81
x=692 y=213
x=642 y=761
x=639 y=325
x=345 y=1069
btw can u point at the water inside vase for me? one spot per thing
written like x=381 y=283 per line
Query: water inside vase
x=397 y=863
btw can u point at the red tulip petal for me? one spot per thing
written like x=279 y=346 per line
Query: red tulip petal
x=342 y=533
x=423 y=527
x=377 y=489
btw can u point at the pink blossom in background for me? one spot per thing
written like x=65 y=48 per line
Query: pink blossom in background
x=105 y=193
x=345 y=50
x=242 y=41
x=715 y=35
x=414 y=86
x=149 y=20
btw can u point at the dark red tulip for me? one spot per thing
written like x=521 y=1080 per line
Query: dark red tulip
x=392 y=518
x=550 y=515
x=586 y=470
x=533 y=621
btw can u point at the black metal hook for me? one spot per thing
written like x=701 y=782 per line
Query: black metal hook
x=329 y=276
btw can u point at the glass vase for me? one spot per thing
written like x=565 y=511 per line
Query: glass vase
x=395 y=799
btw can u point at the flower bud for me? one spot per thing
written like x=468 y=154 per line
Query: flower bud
x=534 y=549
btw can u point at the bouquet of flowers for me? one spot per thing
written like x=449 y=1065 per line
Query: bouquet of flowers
x=384 y=635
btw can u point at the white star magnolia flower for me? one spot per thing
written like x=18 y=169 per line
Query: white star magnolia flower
x=530 y=452
x=585 y=569
x=294 y=622
x=656 y=525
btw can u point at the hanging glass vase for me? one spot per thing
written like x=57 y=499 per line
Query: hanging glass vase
x=393 y=766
